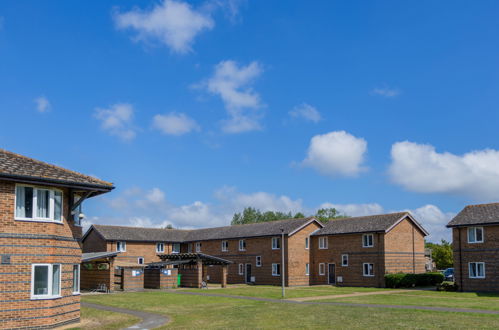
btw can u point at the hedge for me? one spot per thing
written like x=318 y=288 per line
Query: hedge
x=401 y=280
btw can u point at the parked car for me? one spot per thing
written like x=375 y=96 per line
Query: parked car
x=449 y=274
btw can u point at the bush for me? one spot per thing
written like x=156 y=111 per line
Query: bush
x=401 y=280
x=447 y=286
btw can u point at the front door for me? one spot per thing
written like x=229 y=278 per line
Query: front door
x=331 y=274
x=248 y=273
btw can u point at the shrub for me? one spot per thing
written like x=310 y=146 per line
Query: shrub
x=401 y=280
x=447 y=286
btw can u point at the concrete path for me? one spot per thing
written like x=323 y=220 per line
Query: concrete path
x=347 y=295
x=286 y=301
x=149 y=320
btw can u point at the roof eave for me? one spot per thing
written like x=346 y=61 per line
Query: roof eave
x=473 y=224
x=305 y=225
x=99 y=189
x=414 y=221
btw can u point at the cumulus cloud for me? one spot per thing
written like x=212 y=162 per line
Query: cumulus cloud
x=175 y=124
x=117 y=120
x=420 y=168
x=336 y=154
x=434 y=221
x=173 y=23
x=233 y=84
x=307 y=112
x=42 y=104
x=355 y=210
x=385 y=92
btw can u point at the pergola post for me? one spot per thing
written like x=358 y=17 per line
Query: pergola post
x=224 y=275
x=199 y=265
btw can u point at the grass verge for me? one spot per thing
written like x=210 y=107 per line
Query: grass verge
x=97 y=319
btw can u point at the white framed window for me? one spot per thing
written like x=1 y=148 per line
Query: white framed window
x=323 y=242
x=258 y=261
x=38 y=204
x=160 y=247
x=344 y=260
x=476 y=269
x=76 y=279
x=367 y=269
x=45 y=281
x=225 y=246
x=198 y=246
x=307 y=242
x=307 y=269
x=367 y=240
x=176 y=248
x=276 y=243
x=475 y=235
x=242 y=245
x=241 y=269
x=76 y=213
x=120 y=246
x=276 y=269
x=140 y=260
x=322 y=269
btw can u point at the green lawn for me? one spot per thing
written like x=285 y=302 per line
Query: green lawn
x=429 y=298
x=204 y=312
x=267 y=291
x=97 y=319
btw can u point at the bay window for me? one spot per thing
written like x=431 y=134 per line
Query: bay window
x=38 y=204
x=45 y=281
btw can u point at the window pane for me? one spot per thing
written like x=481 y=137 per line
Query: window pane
x=42 y=203
x=479 y=234
x=41 y=285
x=56 y=278
x=58 y=205
x=472 y=270
x=480 y=271
x=24 y=202
x=471 y=234
x=76 y=278
x=176 y=247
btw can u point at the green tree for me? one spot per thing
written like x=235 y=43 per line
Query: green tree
x=441 y=254
x=252 y=215
x=324 y=215
x=169 y=226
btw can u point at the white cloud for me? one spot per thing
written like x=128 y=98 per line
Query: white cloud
x=419 y=168
x=117 y=120
x=233 y=84
x=42 y=104
x=175 y=124
x=307 y=112
x=173 y=23
x=434 y=221
x=355 y=210
x=385 y=92
x=336 y=154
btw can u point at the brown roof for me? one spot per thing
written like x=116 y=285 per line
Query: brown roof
x=272 y=228
x=481 y=214
x=366 y=224
x=14 y=166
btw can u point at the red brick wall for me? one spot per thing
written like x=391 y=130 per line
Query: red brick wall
x=35 y=242
x=487 y=252
x=299 y=256
x=94 y=243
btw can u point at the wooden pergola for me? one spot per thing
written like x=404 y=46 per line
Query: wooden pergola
x=191 y=266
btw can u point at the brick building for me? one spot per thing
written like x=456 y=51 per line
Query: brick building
x=360 y=251
x=253 y=249
x=40 y=206
x=475 y=242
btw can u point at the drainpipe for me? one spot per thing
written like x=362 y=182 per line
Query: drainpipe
x=413 y=254
x=282 y=262
x=460 y=261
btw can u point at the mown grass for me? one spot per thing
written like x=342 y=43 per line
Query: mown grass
x=190 y=311
x=98 y=319
x=428 y=298
x=275 y=292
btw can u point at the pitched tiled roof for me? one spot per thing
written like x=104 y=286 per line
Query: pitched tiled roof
x=366 y=224
x=120 y=233
x=270 y=228
x=16 y=166
x=480 y=214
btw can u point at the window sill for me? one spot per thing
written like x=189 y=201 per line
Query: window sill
x=323 y=248
x=276 y=248
x=76 y=293
x=344 y=265
x=46 y=298
x=276 y=275
x=478 y=242
x=368 y=246
x=477 y=278
x=368 y=275
x=41 y=221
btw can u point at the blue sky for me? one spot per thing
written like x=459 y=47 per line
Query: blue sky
x=196 y=109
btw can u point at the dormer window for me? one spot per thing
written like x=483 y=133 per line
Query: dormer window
x=475 y=235
x=38 y=204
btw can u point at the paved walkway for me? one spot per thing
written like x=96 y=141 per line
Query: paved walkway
x=289 y=301
x=149 y=320
x=347 y=295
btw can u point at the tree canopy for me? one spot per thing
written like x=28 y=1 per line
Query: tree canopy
x=253 y=215
x=441 y=254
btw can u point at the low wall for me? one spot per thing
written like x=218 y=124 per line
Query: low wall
x=133 y=279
